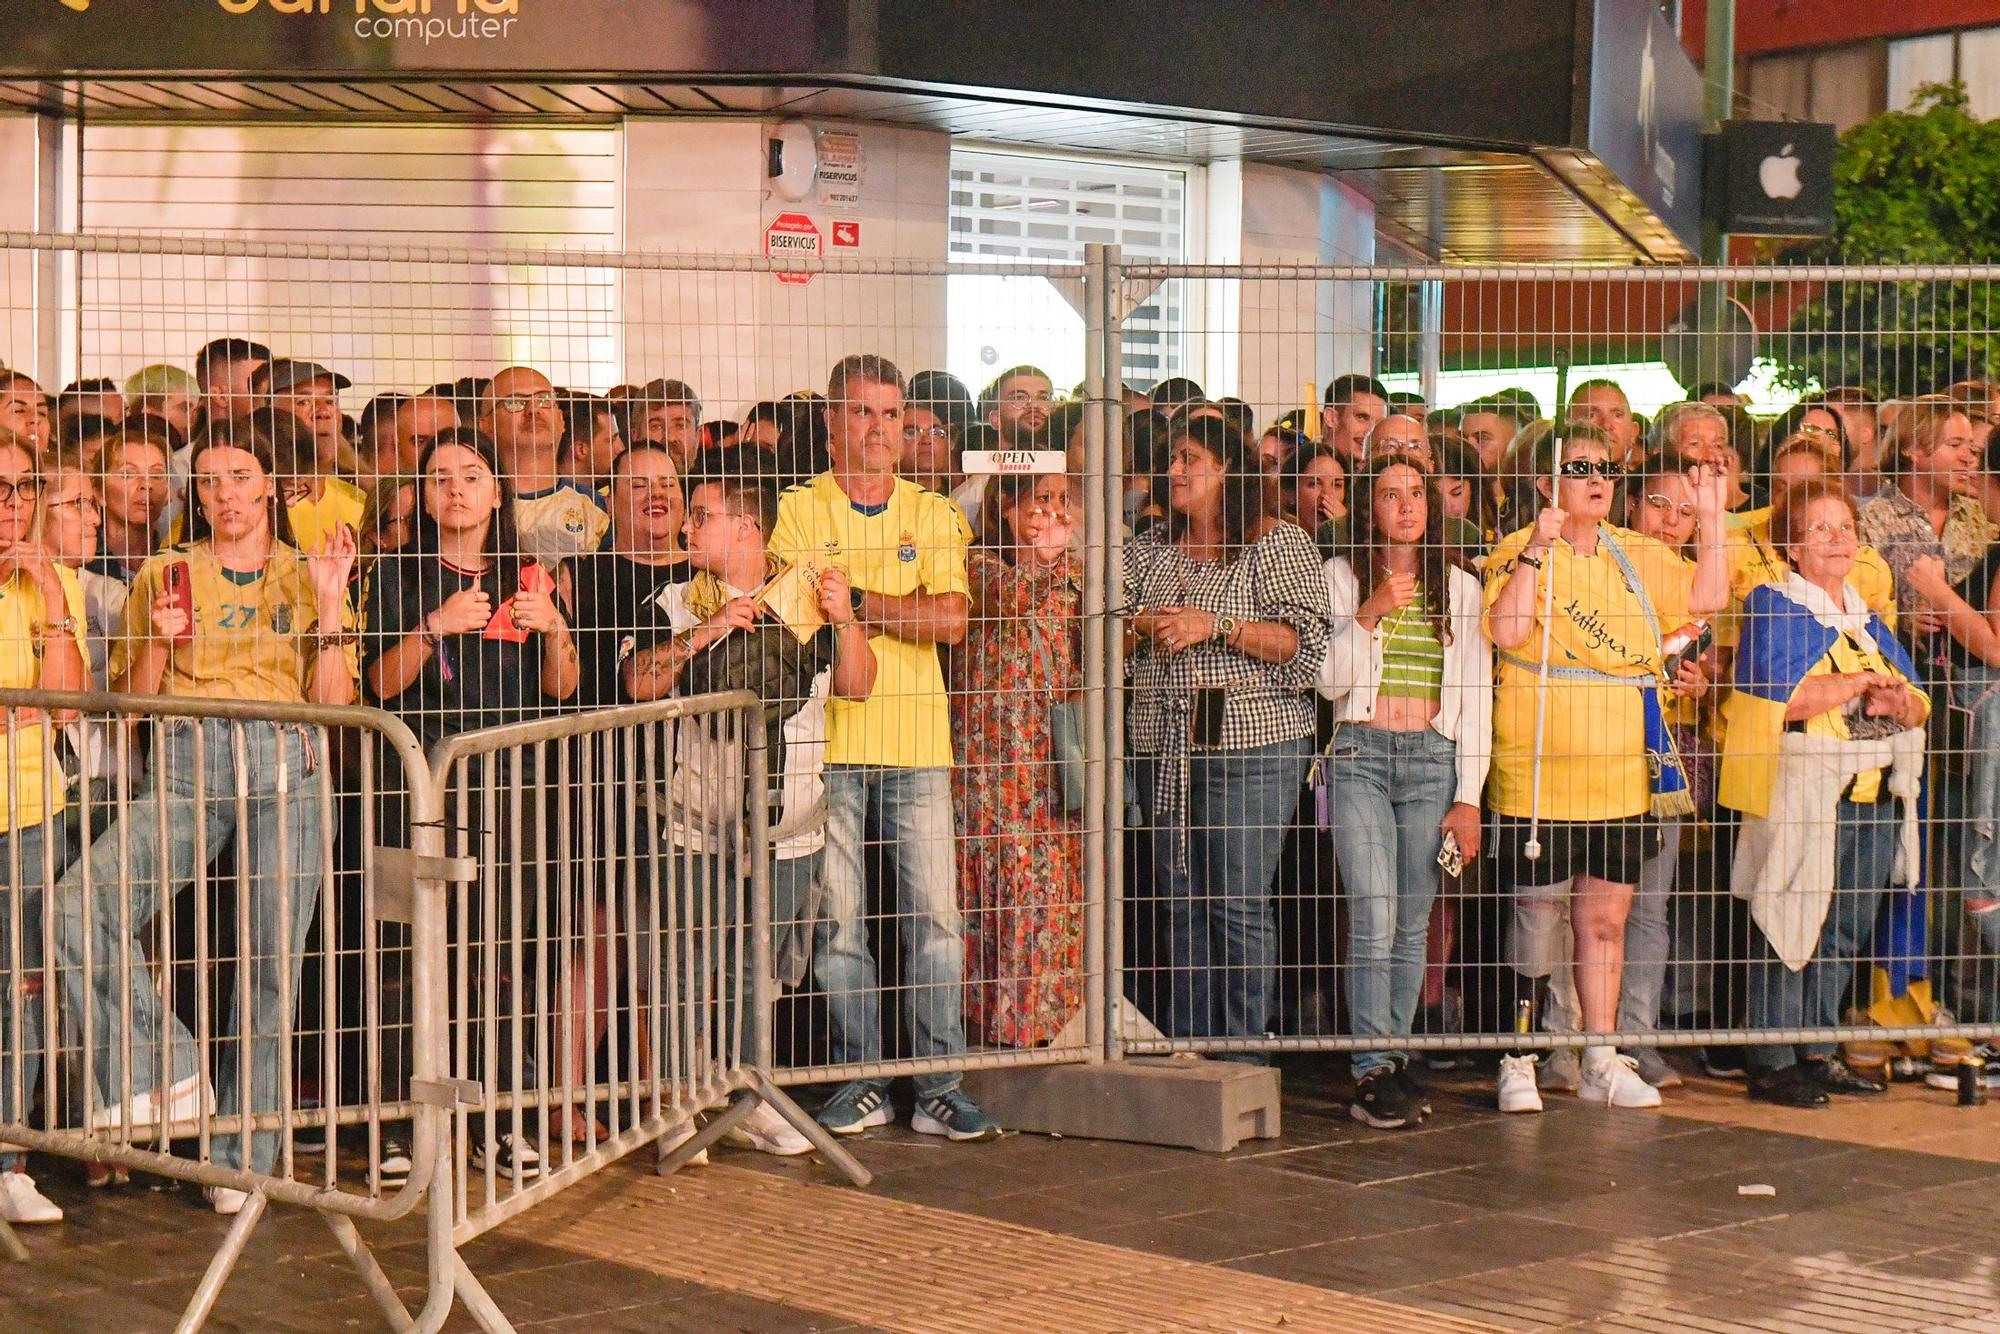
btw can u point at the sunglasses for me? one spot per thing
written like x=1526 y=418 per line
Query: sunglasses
x=1581 y=468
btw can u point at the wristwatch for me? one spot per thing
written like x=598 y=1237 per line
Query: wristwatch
x=1225 y=629
x=854 y=601
x=66 y=626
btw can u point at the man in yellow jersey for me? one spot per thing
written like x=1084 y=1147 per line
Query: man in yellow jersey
x=903 y=550
x=556 y=519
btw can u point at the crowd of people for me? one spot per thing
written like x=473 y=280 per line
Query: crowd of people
x=1436 y=719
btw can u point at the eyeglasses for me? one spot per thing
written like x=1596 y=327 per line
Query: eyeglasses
x=1654 y=500
x=522 y=402
x=81 y=504
x=701 y=514
x=1019 y=396
x=916 y=433
x=1821 y=531
x=1818 y=432
x=25 y=490
x=1580 y=468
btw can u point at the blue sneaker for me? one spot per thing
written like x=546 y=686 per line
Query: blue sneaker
x=855 y=1108
x=955 y=1116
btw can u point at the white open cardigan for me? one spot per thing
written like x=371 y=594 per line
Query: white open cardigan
x=1352 y=672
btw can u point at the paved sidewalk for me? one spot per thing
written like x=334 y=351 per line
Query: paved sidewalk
x=1882 y=1219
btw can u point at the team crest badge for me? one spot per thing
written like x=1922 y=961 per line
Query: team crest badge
x=906 y=549
x=281 y=619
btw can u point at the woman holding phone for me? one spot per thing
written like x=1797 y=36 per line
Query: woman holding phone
x=465 y=633
x=1409 y=673
x=234 y=612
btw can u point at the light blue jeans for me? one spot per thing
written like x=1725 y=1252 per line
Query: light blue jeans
x=791 y=886
x=262 y=787
x=912 y=810
x=1222 y=942
x=22 y=876
x=1389 y=793
x=1976 y=992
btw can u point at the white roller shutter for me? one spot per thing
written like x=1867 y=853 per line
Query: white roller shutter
x=389 y=324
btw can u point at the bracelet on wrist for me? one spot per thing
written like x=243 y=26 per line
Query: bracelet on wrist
x=1529 y=559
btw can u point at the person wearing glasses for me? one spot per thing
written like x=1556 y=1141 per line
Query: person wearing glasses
x=235 y=612
x=1018 y=404
x=930 y=449
x=554 y=518
x=1581 y=746
x=1823 y=755
x=41 y=648
x=711 y=633
x=1824 y=424
x=1409 y=673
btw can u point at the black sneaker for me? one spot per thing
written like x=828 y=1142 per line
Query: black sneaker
x=1835 y=1076
x=1379 y=1100
x=1793 y=1086
x=1724 y=1063
x=1420 y=1104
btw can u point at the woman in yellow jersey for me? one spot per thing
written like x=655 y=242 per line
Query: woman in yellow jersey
x=1579 y=610
x=1823 y=757
x=41 y=647
x=1409 y=672
x=234 y=612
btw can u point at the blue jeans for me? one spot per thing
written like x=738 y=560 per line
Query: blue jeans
x=1222 y=942
x=22 y=877
x=791 y=886
x=912 y=809
x=1390 y=792
x=1977 y=973
x=277 y=774
x=1814 y=996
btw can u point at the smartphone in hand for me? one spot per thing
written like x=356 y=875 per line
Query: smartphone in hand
x=179 y=584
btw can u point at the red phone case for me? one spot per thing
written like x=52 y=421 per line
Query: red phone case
x=180 y=586
x=502 y=626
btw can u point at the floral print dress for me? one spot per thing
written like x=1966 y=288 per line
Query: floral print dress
x=1020 y=856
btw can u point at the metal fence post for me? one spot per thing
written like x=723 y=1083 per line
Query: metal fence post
x=1104 y=518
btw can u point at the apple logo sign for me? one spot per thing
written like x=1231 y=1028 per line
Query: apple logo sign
x=1779 y=175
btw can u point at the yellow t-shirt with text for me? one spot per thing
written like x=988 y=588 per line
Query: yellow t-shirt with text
x=25 y=750
x=1594 y=733
x=915 y=544
x=252 y=633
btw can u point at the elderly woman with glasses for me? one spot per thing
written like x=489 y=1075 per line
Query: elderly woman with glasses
x=1580 y=611
x=1822 y=756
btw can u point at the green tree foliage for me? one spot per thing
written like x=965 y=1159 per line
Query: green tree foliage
x=1910 y=187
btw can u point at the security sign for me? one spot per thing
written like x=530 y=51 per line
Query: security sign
x=792 y=236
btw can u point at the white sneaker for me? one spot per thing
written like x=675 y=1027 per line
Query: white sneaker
x=1517 y=1085
x=21 y=1202
x=768 y=1132
x=1616 y=1083
x=184 y=1103
x=226 y=1201
x=678 y=1136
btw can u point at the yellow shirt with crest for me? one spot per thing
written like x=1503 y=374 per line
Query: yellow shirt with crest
x=26 y=749
x=253 y=634
x=915 y=544
x=1594 y=741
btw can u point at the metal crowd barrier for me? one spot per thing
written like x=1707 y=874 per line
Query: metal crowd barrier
x=608 y=956
x=340 y=1047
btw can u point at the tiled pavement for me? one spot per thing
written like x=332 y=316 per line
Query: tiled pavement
x=1887 y=1218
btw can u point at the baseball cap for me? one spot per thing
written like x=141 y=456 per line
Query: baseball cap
x=160 y=380
x=283 y=374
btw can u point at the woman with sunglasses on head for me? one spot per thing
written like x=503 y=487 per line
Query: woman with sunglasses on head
x=41 y=648
x=1229 y=629
x=234 y=612
x=1823 y=756
x=1409 y=673
x=1580 y=611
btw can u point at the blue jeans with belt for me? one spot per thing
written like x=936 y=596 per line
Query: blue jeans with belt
x=1388 y=793
x=1864 y=859
x=1222 y=940
x=261 y=788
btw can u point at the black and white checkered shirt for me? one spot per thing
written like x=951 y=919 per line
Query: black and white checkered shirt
x=1279 y=577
